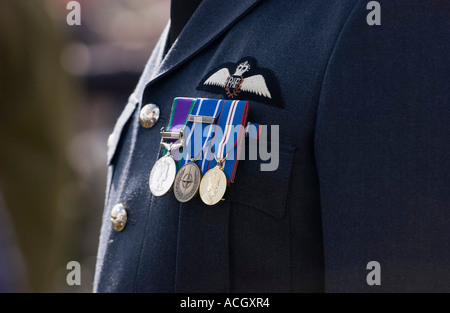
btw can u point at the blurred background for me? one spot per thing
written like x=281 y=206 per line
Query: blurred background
x=61 y=89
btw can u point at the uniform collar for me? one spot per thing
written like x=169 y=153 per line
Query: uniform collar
x=210 y=20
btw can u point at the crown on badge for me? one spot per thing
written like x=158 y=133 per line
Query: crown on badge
x=242 y=68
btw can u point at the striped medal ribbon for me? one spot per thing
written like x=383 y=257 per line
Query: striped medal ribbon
x=223 y=158
x=164 y=170
x=200 y=123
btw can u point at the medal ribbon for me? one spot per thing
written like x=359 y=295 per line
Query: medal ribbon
x=195 y=130
x=181 y=108
x=234 y=113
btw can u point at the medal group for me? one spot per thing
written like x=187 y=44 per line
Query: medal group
x=200 y=149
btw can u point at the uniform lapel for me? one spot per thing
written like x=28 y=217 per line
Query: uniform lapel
x=210 y=20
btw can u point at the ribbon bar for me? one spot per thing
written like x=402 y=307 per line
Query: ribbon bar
x=171 y=135
x=201 y=119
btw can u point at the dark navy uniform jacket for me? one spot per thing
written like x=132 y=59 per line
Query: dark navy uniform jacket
x=364 y=172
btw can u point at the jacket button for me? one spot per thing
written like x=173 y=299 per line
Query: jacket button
x=119 y=217
x=110 y=140
x=149 y=115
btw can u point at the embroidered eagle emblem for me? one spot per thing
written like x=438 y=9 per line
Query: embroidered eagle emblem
x=248 y=81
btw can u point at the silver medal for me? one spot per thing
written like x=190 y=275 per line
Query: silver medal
x=162 y=176
x=187 y=182
x=163 y=172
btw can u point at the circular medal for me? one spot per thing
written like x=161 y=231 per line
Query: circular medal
x=213 y=186
x=162 y=176
x=187 y=182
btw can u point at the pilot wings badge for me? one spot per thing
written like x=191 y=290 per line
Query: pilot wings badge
x=243 y=80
